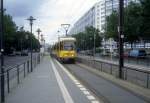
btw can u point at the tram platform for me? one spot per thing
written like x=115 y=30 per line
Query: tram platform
x=50 y=83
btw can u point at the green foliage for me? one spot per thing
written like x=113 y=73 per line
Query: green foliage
x=111 y=26
x=145 y=28
x=85 y=40
x=132 y=22
x=15 y=39
x=136 y=22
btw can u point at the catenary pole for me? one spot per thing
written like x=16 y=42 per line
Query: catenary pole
x=121 y=36
x=2 y=53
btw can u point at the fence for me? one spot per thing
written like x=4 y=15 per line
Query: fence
x=135 y=75
x=14 y=74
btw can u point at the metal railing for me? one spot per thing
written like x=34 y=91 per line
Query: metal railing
x=14 y=74
x=139 y=76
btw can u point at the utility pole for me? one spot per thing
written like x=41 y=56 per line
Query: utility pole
x=2 y=52
x=66 y=27
x=31 y=19
x=121 y=36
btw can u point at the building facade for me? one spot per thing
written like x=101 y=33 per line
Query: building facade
x=90 y=18
x=96 y=16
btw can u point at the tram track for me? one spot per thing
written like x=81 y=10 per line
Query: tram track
x=93 y=90
x=93 y=85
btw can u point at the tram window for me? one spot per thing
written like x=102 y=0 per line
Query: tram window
x=69 y=46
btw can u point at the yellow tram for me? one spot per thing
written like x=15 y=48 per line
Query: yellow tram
x=65 y=49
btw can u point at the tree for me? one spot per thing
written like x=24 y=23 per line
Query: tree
x=9 y=32
x=111 y=26
x=15 y=38
x=85 y=40
x=145 y=27
x=132 y=23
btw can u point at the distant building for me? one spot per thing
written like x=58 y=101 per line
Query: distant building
x=90 y=18
x=96 y=16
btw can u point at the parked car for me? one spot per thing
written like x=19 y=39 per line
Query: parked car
x=137 y=53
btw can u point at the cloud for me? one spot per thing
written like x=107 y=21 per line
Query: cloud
x=22 y=8
x=49 y=14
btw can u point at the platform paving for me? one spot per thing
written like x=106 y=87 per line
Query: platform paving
x=42 y=86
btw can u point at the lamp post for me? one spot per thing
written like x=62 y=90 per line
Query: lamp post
x=39 y=31
x=121 y=36
x=66 y=27
x=2 y=52
x=31 y=19
x=94 y=44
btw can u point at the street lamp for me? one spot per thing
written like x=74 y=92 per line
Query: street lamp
x=66 y=27
x=31 y=19
x=2 y=52
x=39 y=31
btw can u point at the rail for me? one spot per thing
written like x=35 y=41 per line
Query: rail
x=139 y=76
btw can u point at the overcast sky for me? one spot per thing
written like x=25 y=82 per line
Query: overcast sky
x=49 y=14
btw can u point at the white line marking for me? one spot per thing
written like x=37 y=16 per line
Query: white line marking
x=77 y=83
x=86 y=92
x=75 y=80
x=83 y=89
x=66 y=95
x=64 y=69
x=95 y=102
x=80 y=86
x=90 y=97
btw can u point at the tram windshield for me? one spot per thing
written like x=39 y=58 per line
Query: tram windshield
x=69 y=45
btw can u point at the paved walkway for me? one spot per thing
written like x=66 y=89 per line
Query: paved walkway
x=48 y=83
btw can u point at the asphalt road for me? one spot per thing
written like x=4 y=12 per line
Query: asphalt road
x=14 y=60
x=109 y=92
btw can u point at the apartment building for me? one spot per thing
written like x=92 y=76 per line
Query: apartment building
x=96 y=16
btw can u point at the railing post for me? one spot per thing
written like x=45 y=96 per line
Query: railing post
x=147 y=61
x=35 y=62
x=39 y=58
x=110 y=68
x=126 y=74
x=147 y=80
x=28 y=66
x=24 y=69
x=18 y=74
x=8 y=81
x=101 y=66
